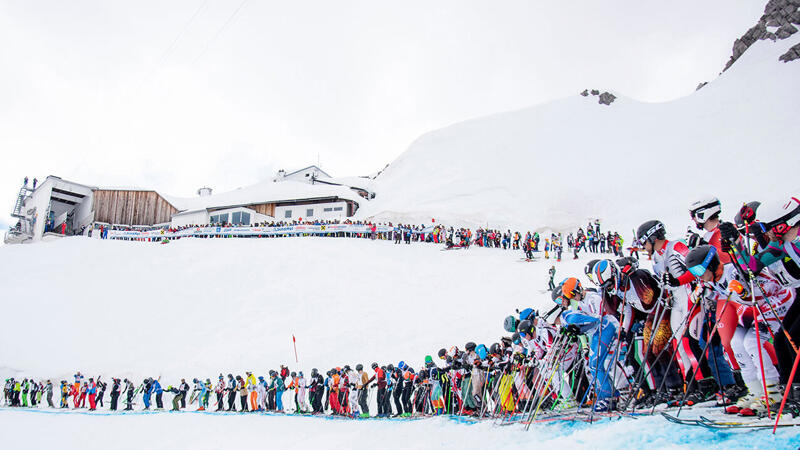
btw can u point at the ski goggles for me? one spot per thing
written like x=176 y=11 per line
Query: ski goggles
x=699 y=269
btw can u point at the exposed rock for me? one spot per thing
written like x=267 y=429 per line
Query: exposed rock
x=785 y=31
x=607 y=98
x=700 y=86
x=595 y=92
x=585 y=93
x=778 y=14
x=792 y=54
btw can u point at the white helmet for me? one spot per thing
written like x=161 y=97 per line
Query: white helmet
x=704 y=209
x=780 y=215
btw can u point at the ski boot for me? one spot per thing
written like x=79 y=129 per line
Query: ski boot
x=760 y=405
x=730 y=394
x=743 y=403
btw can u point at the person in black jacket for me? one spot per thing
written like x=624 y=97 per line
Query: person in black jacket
x=114 y=393
x=231 y=388
x=316 y=389
x=184 y=388
x=101 y=392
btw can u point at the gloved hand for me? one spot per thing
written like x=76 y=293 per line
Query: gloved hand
x=729 y=235
x=669 y=280
x=572 y=330
x=693 y=239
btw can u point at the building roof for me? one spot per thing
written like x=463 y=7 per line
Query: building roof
x=263 y=192
x=306 y=168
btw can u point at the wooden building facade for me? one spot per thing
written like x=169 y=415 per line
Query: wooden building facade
x=131 y=207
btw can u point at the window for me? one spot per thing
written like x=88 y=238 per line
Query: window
x=214 y=219
x=223 y=218
x=246 y=218
x=288 y=214
x=309 y=213
x=338 y=208
x=328 y=209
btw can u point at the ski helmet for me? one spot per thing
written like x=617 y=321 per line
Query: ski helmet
x=505 y=341
x=571 y=288
x=346 y=367
x=781 y=216
x=495 y=349
x=556 y=295
x=390 y=367
x=606 y=274
x=704 y=210
x=627 y=264
x=650 y=231
x=702 y=258
x=515 y=338
x=314 y=371
x=293 y=374
x=482 y=352
x=359 y=367
x=428 y=359
x=588 y=269
x=510 y=324
x=470 y=346
x=525 y=327
x=527 y=313
x=374 y=366
x=442 y=353
x=401 y=365
x=746 y=215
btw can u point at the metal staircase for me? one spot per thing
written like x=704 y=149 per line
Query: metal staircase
x=23 y=194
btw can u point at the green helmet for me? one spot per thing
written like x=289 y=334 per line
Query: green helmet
x=428 y=359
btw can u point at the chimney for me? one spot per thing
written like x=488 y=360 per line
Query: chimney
x=204 y=191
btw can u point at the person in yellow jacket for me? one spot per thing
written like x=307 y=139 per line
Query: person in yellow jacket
x=251 y=385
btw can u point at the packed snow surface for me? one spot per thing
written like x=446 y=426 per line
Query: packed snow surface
x=195 y=308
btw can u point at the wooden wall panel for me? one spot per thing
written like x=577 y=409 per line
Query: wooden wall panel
x=131 y=207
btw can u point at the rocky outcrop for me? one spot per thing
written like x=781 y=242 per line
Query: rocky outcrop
x=792 y=54
x=607 y=98
x=780 y=14
x=700 y=86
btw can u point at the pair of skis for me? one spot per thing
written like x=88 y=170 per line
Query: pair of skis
x=705 y=422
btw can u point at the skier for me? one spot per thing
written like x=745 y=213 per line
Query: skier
x=552 y=273
x=301 y=393
x=184 y=388
x=48 y=389
x=130 y=393
x=670 y=268
x=155 y=387
x=591 y=318
x=219 y=389
x=146 y=389
x=91 y=391
x=101 y=392
x=115 y=391
x=362 y=385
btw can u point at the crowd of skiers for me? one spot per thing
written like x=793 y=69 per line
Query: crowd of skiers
x=715 y=318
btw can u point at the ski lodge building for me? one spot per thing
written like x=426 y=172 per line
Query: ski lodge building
x=57 y=207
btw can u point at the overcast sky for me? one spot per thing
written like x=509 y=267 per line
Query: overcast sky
x=180 y=94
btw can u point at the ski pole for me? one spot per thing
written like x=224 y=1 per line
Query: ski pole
x=706 y=350
x=786 y=392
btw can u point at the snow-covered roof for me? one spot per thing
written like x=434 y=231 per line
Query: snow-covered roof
x=263 y=192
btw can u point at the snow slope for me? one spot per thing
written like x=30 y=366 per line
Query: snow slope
x=206 y=306
x=558 y=164
x=195 y=308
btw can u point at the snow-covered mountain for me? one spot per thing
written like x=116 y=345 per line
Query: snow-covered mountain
x=561 y=163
